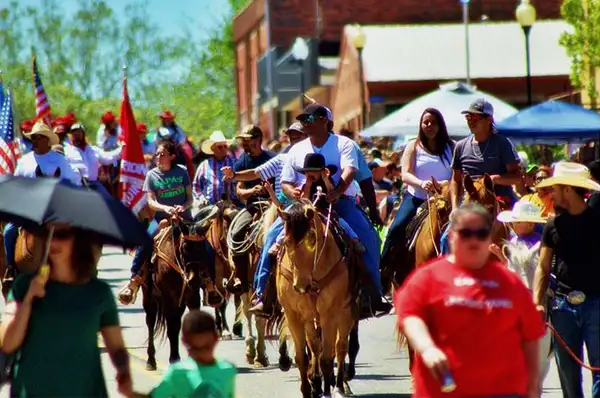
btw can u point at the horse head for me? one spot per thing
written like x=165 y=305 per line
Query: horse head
x=521 y=260
x=303 y=230
x=481 y=191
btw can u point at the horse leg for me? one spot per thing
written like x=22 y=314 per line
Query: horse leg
x=151 y=309
x=354 y=346
x=314 y=354
x=222 y=311
x=173 y=329
x=250 y=348
x=261 y=354
x=285 y=362
x=345 y=330
x=237 y=323
x=329 y=333
x=296 y=327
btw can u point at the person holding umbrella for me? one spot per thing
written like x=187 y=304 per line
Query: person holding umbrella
x=41 y=162
x=54 y=315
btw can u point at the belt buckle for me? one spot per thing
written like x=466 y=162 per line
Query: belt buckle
x=576 y=297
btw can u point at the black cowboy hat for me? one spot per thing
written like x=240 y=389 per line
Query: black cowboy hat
x=316 y=162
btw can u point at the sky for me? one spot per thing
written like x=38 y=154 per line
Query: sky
x=201 y=16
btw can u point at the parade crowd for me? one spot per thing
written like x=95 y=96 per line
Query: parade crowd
x=474 y=316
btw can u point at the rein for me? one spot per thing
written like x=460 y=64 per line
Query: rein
x=570 y=352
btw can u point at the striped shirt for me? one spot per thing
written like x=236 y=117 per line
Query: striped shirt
x=273 y=169
x=208 y=182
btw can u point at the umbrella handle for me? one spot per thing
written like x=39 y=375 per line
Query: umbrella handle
x=47 y=247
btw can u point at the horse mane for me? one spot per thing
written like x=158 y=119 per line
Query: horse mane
x=298 y=219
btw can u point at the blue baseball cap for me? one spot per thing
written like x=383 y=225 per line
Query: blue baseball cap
x=481 y=107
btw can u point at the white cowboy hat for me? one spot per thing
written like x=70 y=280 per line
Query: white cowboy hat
x=523 y=211
x=215 y=137
x=40 y=128
x=571 y=174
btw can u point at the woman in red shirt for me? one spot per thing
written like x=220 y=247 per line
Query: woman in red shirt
x=468 y=316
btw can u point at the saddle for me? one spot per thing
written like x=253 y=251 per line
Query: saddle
x=416 y=224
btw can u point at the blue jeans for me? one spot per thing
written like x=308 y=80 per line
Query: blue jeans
x=360 y=224
x=577 y=324
x=265 y=262
x=11 y=233
x=144 y=253
x=397 y=230
x=444 y=241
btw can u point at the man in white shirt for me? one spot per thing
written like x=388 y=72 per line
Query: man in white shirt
x=340 y=152
x=40 y=162
x=86 y=159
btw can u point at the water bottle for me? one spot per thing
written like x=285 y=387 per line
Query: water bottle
x=448 y=384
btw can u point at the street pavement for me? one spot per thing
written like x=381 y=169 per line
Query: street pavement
x=382 y=369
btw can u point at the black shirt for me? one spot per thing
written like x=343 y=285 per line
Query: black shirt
x=574 y=241
x=247 y=162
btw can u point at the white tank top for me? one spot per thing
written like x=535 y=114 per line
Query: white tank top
x=427 y=166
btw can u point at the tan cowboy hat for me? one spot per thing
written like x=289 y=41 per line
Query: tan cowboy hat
x=523 y=211
x=40 y=128
x=571 y=174
x=215 y=137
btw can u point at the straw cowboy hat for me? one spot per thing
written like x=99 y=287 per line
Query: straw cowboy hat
x=523 y=211
x=571 y=174
x=40 y=128
x=215 y=138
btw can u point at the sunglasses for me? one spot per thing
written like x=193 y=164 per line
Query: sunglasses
x=62 y=234
x=479 y=234
x=310 y=119
x=221 y=146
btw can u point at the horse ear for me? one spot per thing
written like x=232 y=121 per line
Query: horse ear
x=468 y=184
x=309 y=212
x=488 y=183
x=436 y=185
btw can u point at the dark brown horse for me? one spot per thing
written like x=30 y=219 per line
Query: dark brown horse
x=172 y=282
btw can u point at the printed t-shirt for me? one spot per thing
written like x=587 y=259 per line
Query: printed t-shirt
x=187 y=379
x=491 y=157
x=479 y=319
x=573 y=239
x=60 y=356
x=169 y=187
x=48 y=163
x=338 y=151
x=247 y=162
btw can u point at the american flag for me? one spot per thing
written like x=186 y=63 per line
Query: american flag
x=42 y=106
x=8 y=157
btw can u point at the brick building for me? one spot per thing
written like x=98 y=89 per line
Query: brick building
x=265 y=29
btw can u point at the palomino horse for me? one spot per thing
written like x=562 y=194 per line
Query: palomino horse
x=522 y=260
x=317 y=288
x=251 y=246
x=174 y=283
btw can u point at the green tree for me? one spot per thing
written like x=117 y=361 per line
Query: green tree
x=583 y=44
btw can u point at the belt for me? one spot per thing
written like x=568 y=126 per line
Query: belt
x=573 y=296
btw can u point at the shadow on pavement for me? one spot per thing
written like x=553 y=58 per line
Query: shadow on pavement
x=105 y=269
x=111 y=281
x=381 y=377
x=129 y=310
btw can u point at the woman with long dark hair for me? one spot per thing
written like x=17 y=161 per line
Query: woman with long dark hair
x=430 y=155
x=52 y=321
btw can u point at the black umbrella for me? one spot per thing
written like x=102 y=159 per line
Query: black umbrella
x=34 y=202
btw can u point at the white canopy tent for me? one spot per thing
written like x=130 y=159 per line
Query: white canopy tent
x=450 y=99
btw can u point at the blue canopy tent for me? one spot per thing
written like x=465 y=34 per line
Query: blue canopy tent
x=551 y=122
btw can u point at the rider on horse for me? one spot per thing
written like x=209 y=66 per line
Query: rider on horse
x=87 y=159
x=40 y=162
x=169 y=194
x=483 y=152
x=341 y=152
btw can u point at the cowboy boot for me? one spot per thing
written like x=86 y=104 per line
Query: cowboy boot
x=213 y=297
x=129 y=293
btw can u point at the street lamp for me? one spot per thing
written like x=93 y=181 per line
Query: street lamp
x=300 y=52
x=465 y=15
x=525 y=14
x=359 y=40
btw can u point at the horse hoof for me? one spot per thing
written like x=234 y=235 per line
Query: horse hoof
x=285 y=363
x=151 y=366
x=226 y=336
x=250 y=359
x=174 y=359
x=349 y=373
x=237 y=329
x=261 y=362
x=338 y=393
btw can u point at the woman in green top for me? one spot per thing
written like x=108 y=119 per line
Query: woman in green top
x=52 y=324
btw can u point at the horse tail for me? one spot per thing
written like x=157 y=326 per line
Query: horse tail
x=401 y=340
x=160 y=330
x=277 y=325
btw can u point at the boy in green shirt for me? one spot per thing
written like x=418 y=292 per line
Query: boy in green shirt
x=201 y=375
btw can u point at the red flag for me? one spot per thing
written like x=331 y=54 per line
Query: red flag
x=133 y=166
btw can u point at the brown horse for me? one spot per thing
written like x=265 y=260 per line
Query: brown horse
x=316 y=287
x=174 y=283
